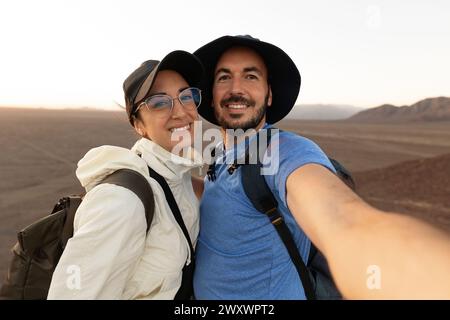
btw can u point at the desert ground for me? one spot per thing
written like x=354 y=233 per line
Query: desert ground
x=402 y=167
x=397 y=167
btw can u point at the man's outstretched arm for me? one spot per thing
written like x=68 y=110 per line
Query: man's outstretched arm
x=412 y=257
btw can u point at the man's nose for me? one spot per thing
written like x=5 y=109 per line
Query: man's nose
x=236 y=86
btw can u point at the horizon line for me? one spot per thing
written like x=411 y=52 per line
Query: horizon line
x=118 y=107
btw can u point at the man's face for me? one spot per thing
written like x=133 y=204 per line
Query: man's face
x=241 y=92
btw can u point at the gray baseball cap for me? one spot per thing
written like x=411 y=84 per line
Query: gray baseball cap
x=137 y=85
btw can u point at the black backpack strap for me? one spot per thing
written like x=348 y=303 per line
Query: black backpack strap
x=130 y=179
x=173 y=205
x=263 y=200
x=211 y=174
x=186 y=289
x=343 y=174
x=261 y=197
x=137 y=183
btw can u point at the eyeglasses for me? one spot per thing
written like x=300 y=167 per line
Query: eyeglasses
x=162 y=104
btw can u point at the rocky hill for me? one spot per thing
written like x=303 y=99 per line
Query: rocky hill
x=432 y=109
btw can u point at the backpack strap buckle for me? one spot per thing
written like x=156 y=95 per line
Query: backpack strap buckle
x=277 y=221
x=274 y=216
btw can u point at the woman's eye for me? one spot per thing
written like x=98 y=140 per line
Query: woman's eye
x=187 y=98
x=159 y=103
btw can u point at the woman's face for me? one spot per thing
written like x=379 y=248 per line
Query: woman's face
x=165 y=127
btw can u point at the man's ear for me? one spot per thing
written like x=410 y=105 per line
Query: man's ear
x=269 y=100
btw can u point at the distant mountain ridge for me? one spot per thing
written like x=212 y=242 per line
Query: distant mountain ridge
x=322 y=112
x=431 y=109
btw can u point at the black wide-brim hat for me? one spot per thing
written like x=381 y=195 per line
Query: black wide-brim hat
x=137 y=85
x=284 y=77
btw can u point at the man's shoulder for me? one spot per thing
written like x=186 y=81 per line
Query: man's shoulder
x=288 y=141
x=292 y=136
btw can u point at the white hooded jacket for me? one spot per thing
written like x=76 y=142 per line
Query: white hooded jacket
x=110 y=256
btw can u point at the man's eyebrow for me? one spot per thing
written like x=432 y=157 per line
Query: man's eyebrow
x=253 y=69
x=224 y=70
x=248 y=69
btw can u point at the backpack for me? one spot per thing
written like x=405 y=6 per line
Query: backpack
x=315 y=275
x=41 y=244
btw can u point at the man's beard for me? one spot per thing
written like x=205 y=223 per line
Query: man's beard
x=250 y=123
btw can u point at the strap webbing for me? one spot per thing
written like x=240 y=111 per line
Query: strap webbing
x=138 y=184
x=263 y=200
x=173 y=205
x=185 y=291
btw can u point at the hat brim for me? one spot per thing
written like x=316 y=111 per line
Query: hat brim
x=186 y=64
x=284 y=77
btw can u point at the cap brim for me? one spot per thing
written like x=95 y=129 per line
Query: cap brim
x=284 y=77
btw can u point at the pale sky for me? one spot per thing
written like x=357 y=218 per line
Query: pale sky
x=76 y=53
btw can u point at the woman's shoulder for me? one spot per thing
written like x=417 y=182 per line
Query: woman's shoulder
x=110 y=204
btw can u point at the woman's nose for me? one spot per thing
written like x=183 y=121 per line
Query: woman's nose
x=178 y=110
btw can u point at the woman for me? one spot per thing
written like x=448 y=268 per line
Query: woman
x=110 y=251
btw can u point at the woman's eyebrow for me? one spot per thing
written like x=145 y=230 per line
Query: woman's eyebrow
x=157 y=93
x=165 y=93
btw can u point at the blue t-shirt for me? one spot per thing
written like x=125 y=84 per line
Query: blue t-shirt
x=239 y=254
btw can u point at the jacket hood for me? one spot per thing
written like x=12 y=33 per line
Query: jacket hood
x=102 y=161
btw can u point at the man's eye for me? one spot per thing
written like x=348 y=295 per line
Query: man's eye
x=223 y=77
x=251 y=77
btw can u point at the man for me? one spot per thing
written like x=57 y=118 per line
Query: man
x=253 y=84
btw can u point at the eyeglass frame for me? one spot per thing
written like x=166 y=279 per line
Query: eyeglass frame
x=144 y=102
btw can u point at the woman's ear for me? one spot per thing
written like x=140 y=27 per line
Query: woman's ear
x=139 y=126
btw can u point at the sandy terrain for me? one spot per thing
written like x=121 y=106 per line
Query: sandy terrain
x=363 y=147
x=418 y=187
x=39 y=150
x=39 y=153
